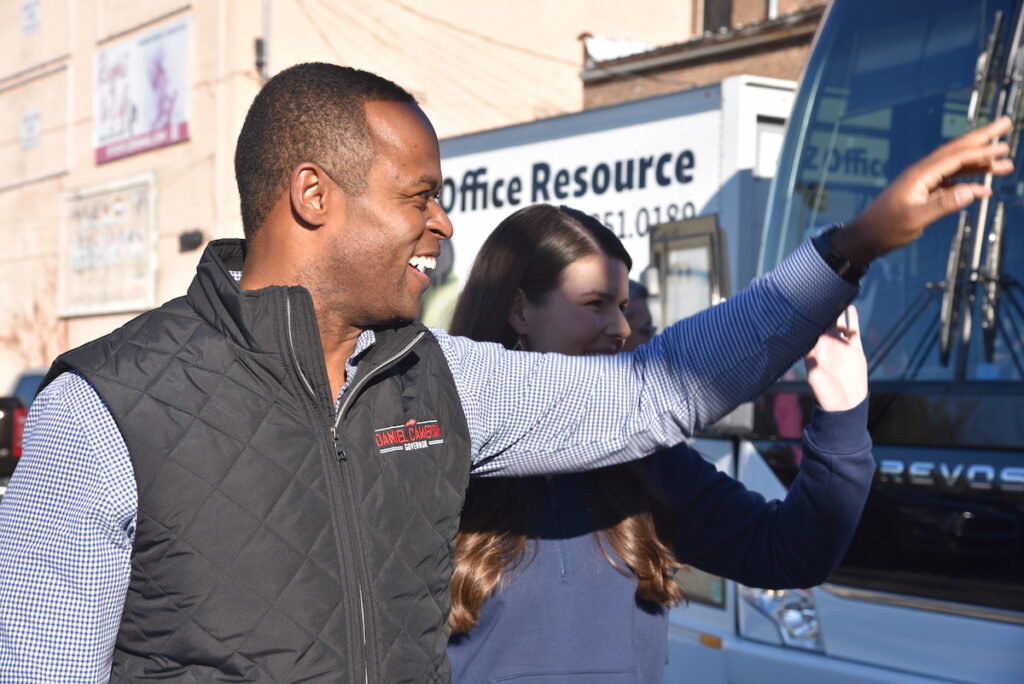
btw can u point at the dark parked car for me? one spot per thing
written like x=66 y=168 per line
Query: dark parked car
x=13 y=411
x=27 y=384
x=12 y=425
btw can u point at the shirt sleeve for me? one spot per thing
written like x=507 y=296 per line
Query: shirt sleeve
x=532 y=414
x=67 y=524
x=728 y=530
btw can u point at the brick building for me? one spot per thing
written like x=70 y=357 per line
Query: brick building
x=759 y=37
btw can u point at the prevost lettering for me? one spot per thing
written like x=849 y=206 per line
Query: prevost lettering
x=476 y=190
x=976 y=476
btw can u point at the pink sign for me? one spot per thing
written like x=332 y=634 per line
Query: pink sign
x=142 y=92
x=168 y=135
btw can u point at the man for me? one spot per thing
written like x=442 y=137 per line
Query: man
x=638 y=315
x=261 y=481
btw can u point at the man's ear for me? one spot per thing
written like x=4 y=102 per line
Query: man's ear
x=517 y=315
x=310 y=192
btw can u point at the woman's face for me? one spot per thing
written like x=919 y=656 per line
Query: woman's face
x=583 y=315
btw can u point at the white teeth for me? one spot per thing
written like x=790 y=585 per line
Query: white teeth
x=422 y=263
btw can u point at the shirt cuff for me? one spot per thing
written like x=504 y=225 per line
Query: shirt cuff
x=812 y=287
x=839 y=431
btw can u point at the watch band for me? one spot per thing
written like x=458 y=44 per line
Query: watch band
x=822 y=242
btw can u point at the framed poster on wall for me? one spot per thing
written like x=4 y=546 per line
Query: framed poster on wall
x=108 y=248
x=141 y=93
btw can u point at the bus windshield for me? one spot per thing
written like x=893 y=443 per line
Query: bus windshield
x=887 y=83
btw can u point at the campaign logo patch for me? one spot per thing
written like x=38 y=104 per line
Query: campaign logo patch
x=410 y=436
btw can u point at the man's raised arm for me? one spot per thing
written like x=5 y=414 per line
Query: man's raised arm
x=542 y=413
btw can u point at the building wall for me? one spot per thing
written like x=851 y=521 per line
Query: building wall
x=781 y=62
x=783 y=57
x=746 y=11
x=474 y=66
x=786 y=6
x=54 y=74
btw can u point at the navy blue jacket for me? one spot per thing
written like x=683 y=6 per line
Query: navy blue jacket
x=567 y=615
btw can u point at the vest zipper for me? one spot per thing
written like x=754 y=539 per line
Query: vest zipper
x=346 y=484
x=343 y=485
x=291 y=348
x=359 y=383
x=351 y=392
x=348 y=563
x=362 y=617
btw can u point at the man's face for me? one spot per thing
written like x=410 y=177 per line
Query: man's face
x=641 y=326
x=391 y=236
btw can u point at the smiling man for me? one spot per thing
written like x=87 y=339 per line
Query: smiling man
x=260 y=481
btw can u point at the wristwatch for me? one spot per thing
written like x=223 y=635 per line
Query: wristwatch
x=822 y=242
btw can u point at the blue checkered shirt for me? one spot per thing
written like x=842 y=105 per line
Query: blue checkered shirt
x=67 y=521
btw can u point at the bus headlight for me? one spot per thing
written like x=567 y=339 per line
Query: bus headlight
x=793 y=613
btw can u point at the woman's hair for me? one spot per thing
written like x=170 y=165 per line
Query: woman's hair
x=530 y=251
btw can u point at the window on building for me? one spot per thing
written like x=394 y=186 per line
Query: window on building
x=717 y=14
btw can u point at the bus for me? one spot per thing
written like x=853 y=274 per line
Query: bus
x=932 y=587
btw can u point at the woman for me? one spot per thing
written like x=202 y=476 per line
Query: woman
x=571 y=576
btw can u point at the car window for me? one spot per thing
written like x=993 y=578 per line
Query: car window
x=27 y=386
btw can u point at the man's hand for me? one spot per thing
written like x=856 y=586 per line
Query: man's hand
x=924 y=193
x=836 y=368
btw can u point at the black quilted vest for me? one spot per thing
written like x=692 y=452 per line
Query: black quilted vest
x=272 y=547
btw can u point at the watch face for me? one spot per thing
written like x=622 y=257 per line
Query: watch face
x=843 y=268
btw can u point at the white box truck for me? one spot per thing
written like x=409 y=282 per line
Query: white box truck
x=706 y=153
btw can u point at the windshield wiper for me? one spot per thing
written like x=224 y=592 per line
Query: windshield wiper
x=955 y=266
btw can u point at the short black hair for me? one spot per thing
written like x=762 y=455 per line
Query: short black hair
x=311 y=112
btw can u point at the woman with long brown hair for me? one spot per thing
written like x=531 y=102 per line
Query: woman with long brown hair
x=568 y=578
